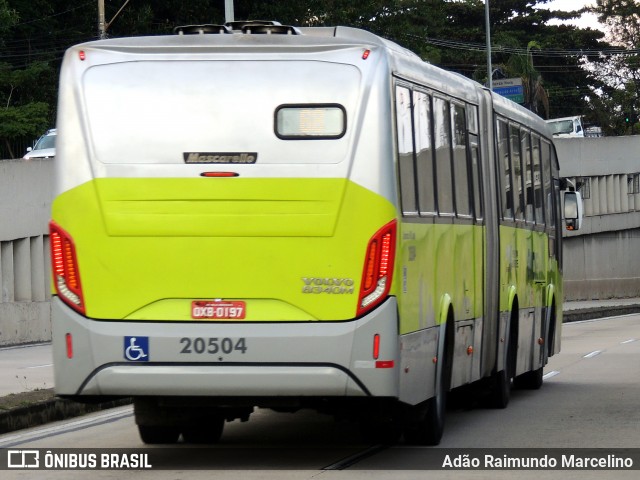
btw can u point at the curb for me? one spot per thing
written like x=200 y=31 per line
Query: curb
x=50 y=411
x=598 y=312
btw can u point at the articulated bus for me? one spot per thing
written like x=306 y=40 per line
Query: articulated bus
x=254 y=215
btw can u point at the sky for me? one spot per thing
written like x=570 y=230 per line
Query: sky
x=587 y=19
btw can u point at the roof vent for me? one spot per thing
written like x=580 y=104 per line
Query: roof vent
x=270 y=29
x=263 y=27
x=201 y=29
x=246 y=26
x=240 y=24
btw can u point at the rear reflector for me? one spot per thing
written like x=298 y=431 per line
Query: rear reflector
x=376 y=346
x=385 y=364
x=65 y=268
x=378 y=268
x=69 y=341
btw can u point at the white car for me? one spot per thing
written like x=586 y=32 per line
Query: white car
x=45 y=147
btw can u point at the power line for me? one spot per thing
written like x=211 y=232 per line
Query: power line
x=54 y=14
x=478 y=47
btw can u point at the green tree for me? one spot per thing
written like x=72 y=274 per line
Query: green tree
x=21 y=119
x=535 y=95
x=618 y=102
x=448 y=33
x=18 y=115
x=8 y=18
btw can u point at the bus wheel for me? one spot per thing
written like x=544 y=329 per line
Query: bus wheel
x=385 y=432
x=425 y=425
x=209 y=431
x=380 y=423
x=529 y=381
x=428 y=424
x=500 y=389
x=153 y=434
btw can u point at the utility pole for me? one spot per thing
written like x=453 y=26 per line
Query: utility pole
x=228 y=11
x=488 y=32
x=102 y=28
x=102 y=24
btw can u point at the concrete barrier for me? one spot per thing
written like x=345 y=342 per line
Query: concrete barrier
x=26 y=191
x=600 y=260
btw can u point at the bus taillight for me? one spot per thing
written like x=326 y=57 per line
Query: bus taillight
x=65 y=268
x=378 y=268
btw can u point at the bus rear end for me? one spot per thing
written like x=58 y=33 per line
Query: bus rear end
x=211 y=248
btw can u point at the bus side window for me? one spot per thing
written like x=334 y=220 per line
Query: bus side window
x=424 y=153
x=516 y=173
x=545 y=157
x=538 y=191
x=504 y=169
x=556 y=220
x=442 y=133
x=476 y=174
x=462 y=185
x=527 y=177
x=405 y=152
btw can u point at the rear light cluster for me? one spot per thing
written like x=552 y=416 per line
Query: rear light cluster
x=378 y=268
x=66 y=275
x=376 y=354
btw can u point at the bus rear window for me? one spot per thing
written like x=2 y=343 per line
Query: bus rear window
x=309 y=122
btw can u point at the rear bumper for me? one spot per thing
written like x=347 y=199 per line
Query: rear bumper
x=226 y=359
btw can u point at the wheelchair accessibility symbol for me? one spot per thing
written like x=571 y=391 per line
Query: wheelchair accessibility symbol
x=136 y=349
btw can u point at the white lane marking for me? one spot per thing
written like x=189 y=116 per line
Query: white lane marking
x=40 y=366
x=631 y=340
x=592 y=354
x=551 y=374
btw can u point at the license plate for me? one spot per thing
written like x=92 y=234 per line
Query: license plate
x=218 y=309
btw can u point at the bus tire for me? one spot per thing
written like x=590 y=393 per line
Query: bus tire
x=428 y=428
x=381 y=431
x=208 y=432
x=500 y=390
x=155 y=434
x=426 y=424
x=529 y=381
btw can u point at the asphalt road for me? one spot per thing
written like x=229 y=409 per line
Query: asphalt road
x=589 y=400
x=25 y=368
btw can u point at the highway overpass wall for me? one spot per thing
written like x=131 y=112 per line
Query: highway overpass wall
x=25 y=204
x=600 y=261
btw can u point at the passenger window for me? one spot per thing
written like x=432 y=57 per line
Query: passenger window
x=538 y=191
x=424 y=153
x=476 y=175
x=548 y=193
x=405 y=152
x=505 y=170
x=472 y=119
x=529 y=214
x=442 y=132
x=460 y=165
x=516 y=173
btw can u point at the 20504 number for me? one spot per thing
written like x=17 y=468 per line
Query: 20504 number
x=213 y=345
